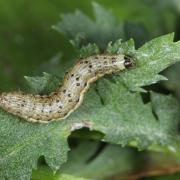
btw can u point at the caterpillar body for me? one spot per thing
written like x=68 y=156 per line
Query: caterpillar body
x=61 y=103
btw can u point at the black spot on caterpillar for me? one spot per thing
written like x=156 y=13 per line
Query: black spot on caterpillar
x=60 y=104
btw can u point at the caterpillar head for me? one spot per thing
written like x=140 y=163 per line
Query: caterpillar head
x=129 y=62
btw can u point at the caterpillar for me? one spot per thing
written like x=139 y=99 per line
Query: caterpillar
x=67 y=98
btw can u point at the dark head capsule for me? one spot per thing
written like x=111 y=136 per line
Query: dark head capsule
x=129 y=62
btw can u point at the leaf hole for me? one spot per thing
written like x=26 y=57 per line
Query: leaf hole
x=145 y=97
x=155 y=114
x=98 y=151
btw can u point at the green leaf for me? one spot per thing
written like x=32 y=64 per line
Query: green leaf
x=23 y=143
x=57 y=65
x=151 y=59
x=111 y=109
x=172 y=74
x=42 y=84
x=120 y=47
x=90 y=49
x=69 y=177
x=54 y=66
x=110 y=160
x=127 y=120
x=46 y=174
x=82 y=30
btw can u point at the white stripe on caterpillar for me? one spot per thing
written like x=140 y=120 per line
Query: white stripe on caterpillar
x=61 y=103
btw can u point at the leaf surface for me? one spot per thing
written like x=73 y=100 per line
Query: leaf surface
x=116 y=111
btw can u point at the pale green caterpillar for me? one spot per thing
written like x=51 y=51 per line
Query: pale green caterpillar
x=61 y=103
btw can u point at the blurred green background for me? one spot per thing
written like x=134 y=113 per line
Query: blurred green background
x=27 y=39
